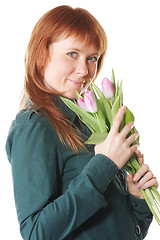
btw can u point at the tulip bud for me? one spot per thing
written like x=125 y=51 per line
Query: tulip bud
x=90 y=102
x=81 y=104
x=107 y=88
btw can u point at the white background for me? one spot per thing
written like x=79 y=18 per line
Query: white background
x=133 y=52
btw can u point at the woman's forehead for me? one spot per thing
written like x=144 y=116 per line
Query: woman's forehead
x=72 y=43
x=79 y=39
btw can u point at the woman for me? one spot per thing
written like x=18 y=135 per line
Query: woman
x=64 y=189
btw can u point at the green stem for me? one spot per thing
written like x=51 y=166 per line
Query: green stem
x=135 y=163
x=110 y=101
x=156 y=192
x=129 y=168
x=150 y=206
x=96 y=114
x=155 y=197
x=152 y=200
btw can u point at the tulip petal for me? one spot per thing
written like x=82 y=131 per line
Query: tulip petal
x=81 y=104
x=90 y=101
x=107 y=88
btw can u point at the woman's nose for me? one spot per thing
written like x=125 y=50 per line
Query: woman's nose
x=82 y=68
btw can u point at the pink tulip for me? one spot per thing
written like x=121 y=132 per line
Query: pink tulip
x=81 y=104
x=107 y=88
x=90 y=102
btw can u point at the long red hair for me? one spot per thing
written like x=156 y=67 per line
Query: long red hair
x=58 y=22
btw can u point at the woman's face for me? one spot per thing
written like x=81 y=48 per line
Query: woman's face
x=71 y=65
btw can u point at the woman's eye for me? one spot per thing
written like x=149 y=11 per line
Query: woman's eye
x=72 y=54
x=93 y=59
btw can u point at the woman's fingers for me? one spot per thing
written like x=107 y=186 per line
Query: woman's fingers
x=127 y=128
x=116 y=146
x=152 y=182
x=134 y=148
x=140 y=157
x=145 y=178
x=132 y=138
x=118 y=119
x=142 y=171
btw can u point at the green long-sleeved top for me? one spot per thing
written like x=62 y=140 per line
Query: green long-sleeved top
x=63 y=195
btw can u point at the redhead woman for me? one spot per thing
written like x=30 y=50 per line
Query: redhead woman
x=64 y=189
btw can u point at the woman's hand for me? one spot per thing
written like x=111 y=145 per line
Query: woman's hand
x=144 y=176
x=116 y=146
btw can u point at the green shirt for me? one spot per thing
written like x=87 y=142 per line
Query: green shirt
x=63 y=195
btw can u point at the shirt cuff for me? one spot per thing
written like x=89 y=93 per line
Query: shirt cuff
x=139 y=204
x=101 y=171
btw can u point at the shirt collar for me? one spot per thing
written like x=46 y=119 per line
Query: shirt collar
x=62 y=107
x=65 y=109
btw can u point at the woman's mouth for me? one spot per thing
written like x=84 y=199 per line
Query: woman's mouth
x=76 y=82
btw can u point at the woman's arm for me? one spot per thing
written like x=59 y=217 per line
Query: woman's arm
x=44 y=213
x=145 y=179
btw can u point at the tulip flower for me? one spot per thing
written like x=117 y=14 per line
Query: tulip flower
x=81 y=104
x=90 y=102
x=107 y=88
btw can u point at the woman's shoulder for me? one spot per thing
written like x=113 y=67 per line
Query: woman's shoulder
x=28 y=118
x=30 y=127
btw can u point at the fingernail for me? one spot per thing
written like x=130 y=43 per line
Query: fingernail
x=137 y=134
x=123 y=107
x=135 y=178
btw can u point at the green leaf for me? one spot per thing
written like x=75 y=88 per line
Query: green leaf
x=97 y=138
x=129 y=117
x=105 y=103
x=113 y=80
x=117 y=91
x=100 y=113
x=85 y=117
x=115 y=107
x=78 y=95
x=121 y=93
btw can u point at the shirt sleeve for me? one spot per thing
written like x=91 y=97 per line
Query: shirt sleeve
x=44 y=213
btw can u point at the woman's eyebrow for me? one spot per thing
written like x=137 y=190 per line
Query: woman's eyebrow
x=79 y=50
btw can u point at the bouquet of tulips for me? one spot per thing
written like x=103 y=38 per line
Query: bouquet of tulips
x=97 y=109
